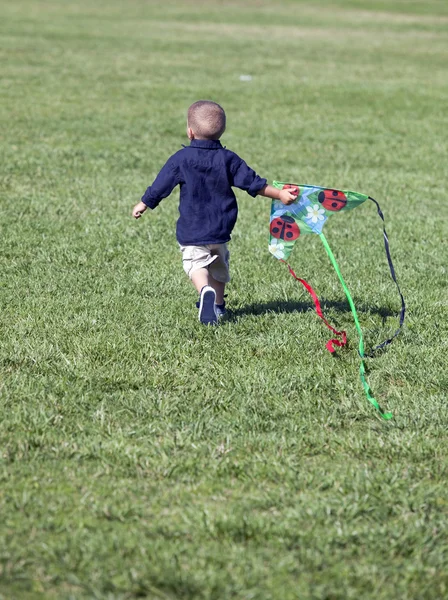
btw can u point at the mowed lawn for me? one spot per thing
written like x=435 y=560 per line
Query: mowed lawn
x=143 y=455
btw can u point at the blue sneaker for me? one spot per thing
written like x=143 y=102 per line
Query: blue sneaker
x=207 y=313
x=220 y=309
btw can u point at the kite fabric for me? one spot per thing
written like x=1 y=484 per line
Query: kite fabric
x=308 y=214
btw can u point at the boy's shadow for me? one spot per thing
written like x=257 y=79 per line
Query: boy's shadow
x=290 y=306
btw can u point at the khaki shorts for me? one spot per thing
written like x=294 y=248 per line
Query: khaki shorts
x=214 y=257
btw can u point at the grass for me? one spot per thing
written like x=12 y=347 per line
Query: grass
x=142 y=455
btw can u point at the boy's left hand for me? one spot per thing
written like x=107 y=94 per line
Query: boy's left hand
x=138 y=210
x=286 y=197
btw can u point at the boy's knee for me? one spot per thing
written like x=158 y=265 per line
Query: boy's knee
x=219 y=270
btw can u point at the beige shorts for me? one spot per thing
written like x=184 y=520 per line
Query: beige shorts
x=214 y=257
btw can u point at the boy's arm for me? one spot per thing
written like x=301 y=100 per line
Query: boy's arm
x=163 y=185
x=285 y=196
x=246 y=179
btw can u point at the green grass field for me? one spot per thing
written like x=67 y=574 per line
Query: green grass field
x=145 y=456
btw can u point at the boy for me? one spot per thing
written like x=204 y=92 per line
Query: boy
x=206 y=172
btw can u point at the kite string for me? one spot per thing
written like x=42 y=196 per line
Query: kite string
x=392 y=273
x=362 y=370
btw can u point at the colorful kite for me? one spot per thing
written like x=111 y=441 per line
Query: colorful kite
x=308 y=214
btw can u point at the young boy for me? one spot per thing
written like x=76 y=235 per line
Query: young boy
x=206 y=172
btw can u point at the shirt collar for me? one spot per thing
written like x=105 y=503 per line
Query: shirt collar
x=206 y=144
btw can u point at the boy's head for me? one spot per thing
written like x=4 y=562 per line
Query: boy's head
x=206 y=120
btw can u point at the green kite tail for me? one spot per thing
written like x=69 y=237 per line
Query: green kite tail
x=362 y=371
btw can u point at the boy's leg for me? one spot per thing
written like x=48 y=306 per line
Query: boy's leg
x=219 y=275
x=203 y=277
x=200 y=278
x=219 y=288
x=207 y=296
x=199 y=264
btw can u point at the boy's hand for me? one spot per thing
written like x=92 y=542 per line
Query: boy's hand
x=287 y=196
x=138 y=210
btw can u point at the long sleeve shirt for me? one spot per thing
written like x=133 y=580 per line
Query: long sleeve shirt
x=206 y=172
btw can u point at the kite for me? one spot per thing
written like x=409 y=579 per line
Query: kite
x=308 y=214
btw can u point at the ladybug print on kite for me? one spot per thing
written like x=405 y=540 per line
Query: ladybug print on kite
x=285 y=228
x=332 y=199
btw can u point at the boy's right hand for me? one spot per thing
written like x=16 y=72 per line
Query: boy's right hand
x=138 y=210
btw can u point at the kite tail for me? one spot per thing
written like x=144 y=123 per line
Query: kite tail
x=330 y=345
x=392 y=272
x=362 y=370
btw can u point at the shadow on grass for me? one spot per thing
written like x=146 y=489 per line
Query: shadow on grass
x=289 y=306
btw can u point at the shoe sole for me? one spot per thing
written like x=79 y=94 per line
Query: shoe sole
x=207 y=314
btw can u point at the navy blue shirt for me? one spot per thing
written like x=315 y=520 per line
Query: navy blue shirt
x=206 y=172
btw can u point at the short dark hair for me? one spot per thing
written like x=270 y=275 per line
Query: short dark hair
x=207 y=119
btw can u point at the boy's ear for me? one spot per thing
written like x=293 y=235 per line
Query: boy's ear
x=190 y=133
